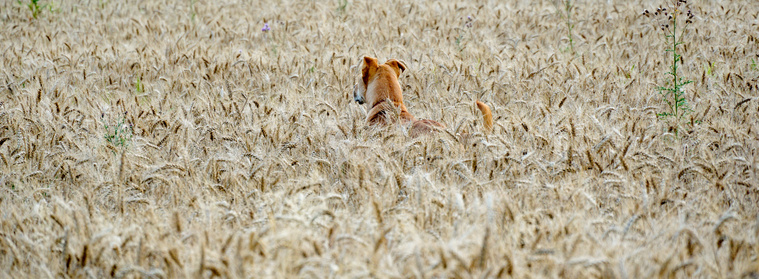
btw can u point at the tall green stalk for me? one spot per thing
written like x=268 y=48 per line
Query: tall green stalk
x=567 y=10
x=673 y=93
x=567 y=15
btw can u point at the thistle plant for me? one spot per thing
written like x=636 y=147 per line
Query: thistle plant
x=673 y=92
x=460 y=39
x=266 y=30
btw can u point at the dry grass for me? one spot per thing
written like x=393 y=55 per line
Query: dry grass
x=249 y=158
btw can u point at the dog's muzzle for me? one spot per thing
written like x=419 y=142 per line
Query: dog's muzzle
x=357 y=95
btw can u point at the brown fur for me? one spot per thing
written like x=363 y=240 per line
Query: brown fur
x=379 y=87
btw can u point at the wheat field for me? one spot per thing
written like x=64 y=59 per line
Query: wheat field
x=178 y=139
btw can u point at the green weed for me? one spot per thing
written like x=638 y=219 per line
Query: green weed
x=119 y=134
x=34 y=7
x=709 y=68
x=193 y=11
x=459 y=47
x=460 y=39
x=138 y=86
x=673 y=92
x=342 y=6
x=566 y=13
x=274 y=50
x=53 y=7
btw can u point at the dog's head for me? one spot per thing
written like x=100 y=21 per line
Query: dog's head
x=368 y=73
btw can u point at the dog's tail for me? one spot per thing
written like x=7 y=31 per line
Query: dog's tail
x=487 y=116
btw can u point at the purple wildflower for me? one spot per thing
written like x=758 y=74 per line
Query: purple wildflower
x=266 y=27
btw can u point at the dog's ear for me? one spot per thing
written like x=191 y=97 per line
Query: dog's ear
x=370 y=66
x=398 y=66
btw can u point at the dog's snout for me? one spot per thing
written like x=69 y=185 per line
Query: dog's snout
x=357 y=96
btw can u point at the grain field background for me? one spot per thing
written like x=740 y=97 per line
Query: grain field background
x=177 y=139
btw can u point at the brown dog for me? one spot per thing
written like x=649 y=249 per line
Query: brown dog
x=380 y=90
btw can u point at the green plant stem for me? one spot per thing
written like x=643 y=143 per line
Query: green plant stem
x=674 y=61
x=568 y=8
x=673 y=94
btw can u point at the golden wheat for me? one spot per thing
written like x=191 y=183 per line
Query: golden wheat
x=249 y=159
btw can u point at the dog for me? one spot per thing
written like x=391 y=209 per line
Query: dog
x=380 y=90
